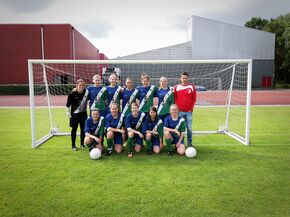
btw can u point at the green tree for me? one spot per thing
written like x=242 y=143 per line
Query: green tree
x=257 y=23
x=281 y=27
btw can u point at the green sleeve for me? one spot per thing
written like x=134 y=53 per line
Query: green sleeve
x=160 y=130
x=172 y=98
x=182 y=127
x=102 y=128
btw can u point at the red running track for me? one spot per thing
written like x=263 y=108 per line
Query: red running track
x=259 y=97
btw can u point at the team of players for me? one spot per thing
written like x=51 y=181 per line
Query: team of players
x=138 y=119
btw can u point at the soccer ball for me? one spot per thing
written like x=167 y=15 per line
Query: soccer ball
x=95 y=153
x=190 y=152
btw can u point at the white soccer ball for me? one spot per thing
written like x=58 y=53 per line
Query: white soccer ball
x=190 y=152
x=95 y=153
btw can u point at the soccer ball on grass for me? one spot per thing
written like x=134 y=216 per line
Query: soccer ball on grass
x=190 y=152
x=95 y=153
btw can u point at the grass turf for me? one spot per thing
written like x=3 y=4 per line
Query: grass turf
x=225 y=179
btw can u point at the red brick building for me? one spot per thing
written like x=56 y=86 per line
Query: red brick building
x=20 y=42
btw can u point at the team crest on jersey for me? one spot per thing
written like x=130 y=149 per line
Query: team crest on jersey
x=188 y=90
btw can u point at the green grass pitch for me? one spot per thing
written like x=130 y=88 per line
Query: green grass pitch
x=225 y=179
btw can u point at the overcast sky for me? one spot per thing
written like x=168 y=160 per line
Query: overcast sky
x=123 y=27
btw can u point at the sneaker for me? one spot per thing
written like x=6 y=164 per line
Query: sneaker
x=130 y=154
x=170 y=153
x=109 y=152
x=83 y=147
x=189 y=145
x=74 y=148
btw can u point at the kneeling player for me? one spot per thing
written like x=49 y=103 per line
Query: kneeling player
x=134 y=126
x=94 y=130
x=153 y=130
x=115 y=132
x=174 y=130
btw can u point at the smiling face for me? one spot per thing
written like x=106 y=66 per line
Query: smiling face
x=152 y=114
x=174 y=111
x=145 y=82
x=113 y=80
x=80 y=86
x=114 y=109
x=95 y=115
x=129 y=84
x=163 y=82
x=97 y=80
x=134 y=109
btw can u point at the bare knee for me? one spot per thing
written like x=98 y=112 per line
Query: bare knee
x=138 y=148
x=148 y=136
x=167 y=134
x=156 y=150
x=130 y=134
x=110 y=135
x=88 y=140
x=118 y=149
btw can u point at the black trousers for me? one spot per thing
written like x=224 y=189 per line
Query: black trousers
x=75 y=120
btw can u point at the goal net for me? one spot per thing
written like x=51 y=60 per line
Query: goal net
x=223 y=91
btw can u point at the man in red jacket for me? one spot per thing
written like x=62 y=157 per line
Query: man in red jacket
x=185 y=98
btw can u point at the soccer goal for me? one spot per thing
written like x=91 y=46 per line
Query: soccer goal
x=223 y=91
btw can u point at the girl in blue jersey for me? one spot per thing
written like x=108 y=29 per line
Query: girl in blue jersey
x=153 y=130
x=114 y=92
x=174 y=131
x=94 y=130
x=114 y=126
x=97 y=95
x=134 y=126
x=76 y=106
x=165 y=99
x=128 y=95
x=147 y=93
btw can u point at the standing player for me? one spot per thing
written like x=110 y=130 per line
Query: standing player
x=129 y=95
x=114 y=92
x=77 y=112
x=97 y=95
x=147 y=93
x=165 y=99
x=153 y=130
x=94 y=130
x=174 y=130
x=134 y=127
x=114 y=126
x=185 y=98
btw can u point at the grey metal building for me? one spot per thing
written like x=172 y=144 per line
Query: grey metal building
x=210 y=39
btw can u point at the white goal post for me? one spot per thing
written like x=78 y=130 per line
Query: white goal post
x=223 y=96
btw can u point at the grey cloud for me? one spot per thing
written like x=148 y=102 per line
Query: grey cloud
x=27 y=6
x=97 y=28
x=240 y=13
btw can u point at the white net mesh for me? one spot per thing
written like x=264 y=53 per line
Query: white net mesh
x=221 y=91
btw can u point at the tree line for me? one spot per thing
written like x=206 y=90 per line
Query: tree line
x=281 y=27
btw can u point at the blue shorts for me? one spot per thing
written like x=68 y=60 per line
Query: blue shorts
x=155 y=141
x=137 y=140
x=118 y=139
x=175 y=139
x=92 y=145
